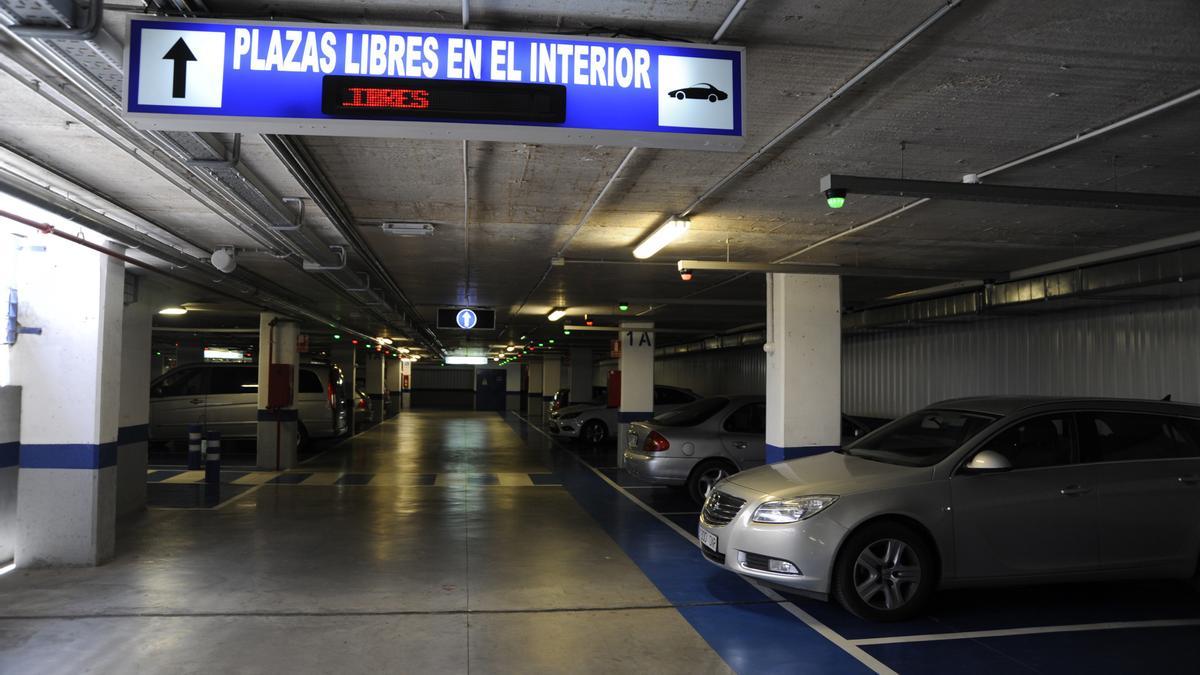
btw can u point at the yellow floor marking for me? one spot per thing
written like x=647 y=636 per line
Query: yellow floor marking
x=186 y=477
x=256 y=478
x=321 y=479
x=514 y=479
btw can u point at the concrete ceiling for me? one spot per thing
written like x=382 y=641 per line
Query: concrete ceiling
x=989 y=83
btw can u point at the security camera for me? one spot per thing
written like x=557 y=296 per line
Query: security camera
x=224 y=260
x=686 y=275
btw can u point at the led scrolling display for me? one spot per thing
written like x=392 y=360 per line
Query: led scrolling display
x=399 y=98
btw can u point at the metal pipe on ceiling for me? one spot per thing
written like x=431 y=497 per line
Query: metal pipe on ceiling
x=846 y=86
x=1024 y=159
x=832 y=269
x=737 y=8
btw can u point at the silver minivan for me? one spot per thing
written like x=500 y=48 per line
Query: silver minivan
x=224 y=397
x=980 y=491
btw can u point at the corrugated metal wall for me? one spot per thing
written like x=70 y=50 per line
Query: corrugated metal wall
x=1146 y=350
x=739 y=370
x=443 y=377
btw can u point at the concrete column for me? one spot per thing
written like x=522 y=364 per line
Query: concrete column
x=70 y=395
x=391 y=384
x=375 y=384
x=580 y=378
x=10 y=436
x=637 y=379
x=512 y=386
x=406 y=384
x=343 y=356
x=277 y=427
x=535 y=407
x=134 y=413
x=551 y=379
x=804 y=365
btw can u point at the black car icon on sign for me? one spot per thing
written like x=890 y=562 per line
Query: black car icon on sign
x=701 y=90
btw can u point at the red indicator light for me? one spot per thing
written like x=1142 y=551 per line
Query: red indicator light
x=354 y=342
x=383 y=97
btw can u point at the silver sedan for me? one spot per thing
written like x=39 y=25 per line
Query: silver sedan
x=697 y=445
x=978 y=491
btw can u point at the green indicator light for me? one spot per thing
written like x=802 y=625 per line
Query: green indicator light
x=623 y=307
x=158 y=353
x=337 y=337
x=541 y=344
x=836 y=202
x=566 y=332
x=551 y=340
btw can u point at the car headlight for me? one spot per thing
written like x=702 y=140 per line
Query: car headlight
x=792 y=510
x=569 y=416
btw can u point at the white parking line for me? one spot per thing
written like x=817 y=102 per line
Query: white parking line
x=1039 y=630
x=828 y=633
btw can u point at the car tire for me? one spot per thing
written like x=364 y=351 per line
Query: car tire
x=680 y=96
x=712 y=98
x=886 y=571
x=301 y=436
x=593 y=432
x=705 y=475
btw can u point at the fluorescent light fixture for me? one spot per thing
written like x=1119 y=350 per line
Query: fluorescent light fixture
x=466 y=360
x=557 y=313
x=408 y=229
x=384 y=341
x=8 y=568
x=173 y=311
x=509 y=348
x=665 y=234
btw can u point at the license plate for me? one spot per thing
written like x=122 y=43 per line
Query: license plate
x=707 y=539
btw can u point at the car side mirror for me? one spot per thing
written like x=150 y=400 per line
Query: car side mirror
x=988 y=461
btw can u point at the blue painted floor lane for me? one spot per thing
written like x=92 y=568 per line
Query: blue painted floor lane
x=751 y=633
x=1077 y=610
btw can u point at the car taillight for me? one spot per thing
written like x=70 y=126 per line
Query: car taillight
x=329 y=391
x=362 y=404
x=655 y=442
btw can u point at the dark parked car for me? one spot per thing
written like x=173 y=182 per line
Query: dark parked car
x=700 y=90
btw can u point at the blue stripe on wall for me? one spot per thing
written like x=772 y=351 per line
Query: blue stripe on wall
x=9 y=452
x=625 y=416
x=68 y=455
x=776 y=453
x=133 y=434
x=285 y=415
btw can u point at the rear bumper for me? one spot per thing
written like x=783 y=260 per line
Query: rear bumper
x=564 y=429
x=662 y=470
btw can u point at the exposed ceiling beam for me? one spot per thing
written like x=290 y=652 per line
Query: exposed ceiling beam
x=1008 y=194
x=836 y=270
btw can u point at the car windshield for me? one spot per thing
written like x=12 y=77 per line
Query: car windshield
x=692 y=414
x=923 y=438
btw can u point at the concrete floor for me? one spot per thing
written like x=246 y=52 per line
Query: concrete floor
x=384 y=577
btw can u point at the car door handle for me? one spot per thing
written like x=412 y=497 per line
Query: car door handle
x=1074 y=490
x=196 y=401
x=742 y=445
x=1189 y=480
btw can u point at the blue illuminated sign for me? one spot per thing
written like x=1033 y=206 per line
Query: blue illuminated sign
x=466 y=319
x=268 y=77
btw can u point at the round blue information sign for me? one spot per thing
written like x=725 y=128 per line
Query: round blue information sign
x=466 y=319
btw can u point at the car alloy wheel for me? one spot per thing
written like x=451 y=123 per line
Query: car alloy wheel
x=709 y=479
x=887 y=574
x=594 y=432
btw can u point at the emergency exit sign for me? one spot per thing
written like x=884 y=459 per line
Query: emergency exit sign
x=326 y=79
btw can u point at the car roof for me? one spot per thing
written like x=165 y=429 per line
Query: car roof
x=1008 y=405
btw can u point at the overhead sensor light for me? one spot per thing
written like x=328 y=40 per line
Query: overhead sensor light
x=835 y=197
x=408 y=229
x=665 y=234
x=624 y=306
x=466 y=360
x=557 y=313
x=224 y=259
x=173 y=311
x=566 y=331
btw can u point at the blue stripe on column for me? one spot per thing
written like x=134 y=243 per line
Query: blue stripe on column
x=777 y=453
x=68 y=455
x=133 y=434
x=9 y=452
x=625 y=416
x=285 y=415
